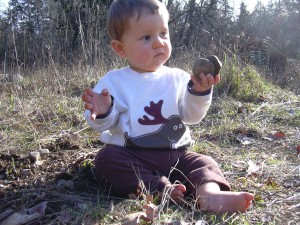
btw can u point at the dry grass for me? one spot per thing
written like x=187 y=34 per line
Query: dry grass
x=45 y=111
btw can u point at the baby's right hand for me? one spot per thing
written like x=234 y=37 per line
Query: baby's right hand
x=98 y=104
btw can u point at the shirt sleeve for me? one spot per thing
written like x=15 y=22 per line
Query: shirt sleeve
x=193 y=108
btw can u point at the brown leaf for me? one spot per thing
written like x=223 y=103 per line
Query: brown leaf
x=262 y=98
x=271 y=182
x=298 y=150
x=276 y=136
x=279 y=135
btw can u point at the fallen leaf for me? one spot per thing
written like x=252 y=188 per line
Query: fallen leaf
x=291 y=183
x=240 y=165
x=244 y=139
x=279 y=135
x=298 y=150
x=253 y=168
x=134 y=218
x=268 y=138
x=271 y=182
x=24 y=216
x=201 y=222
x=276 y=136
x=241 y=108
x=261 y=98
x=151 y=210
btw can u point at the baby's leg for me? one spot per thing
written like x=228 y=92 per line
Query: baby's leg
x=211 y=198
x=124 y=169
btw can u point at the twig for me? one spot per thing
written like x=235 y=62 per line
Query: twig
x=292 y=197
x=259 y=108
x=275 y=201
x=295 y=206
x=77 y=132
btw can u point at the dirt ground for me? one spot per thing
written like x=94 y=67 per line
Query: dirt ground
x=63 y=179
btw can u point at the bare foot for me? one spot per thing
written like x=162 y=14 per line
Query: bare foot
x=174 y=191
x=226 y=201
x=211 y=198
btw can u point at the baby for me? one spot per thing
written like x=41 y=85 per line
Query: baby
x=143 y=111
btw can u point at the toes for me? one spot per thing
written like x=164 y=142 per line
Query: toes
x=182 y=188
x=248 y=199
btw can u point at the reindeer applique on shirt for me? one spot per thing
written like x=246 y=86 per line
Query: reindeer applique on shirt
x=173 y=133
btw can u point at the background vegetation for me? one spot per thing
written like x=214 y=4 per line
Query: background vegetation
x=42 y=33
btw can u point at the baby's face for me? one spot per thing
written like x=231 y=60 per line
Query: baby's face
x=147 y=42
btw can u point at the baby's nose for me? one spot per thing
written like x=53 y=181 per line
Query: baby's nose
x=158 y=42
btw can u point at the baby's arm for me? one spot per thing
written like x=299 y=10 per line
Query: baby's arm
x=98 y=104
x=197 y=98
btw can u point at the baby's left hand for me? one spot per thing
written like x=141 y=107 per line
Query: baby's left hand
x=205 y=82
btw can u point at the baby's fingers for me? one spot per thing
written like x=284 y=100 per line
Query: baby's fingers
x=85 y=97
x=202 y=80
x=88 y=106
x=217 y=79
x=87 y=94
x=105 y=92
x=210 y=80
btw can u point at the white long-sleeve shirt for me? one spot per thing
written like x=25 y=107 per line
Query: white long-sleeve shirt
x=150 y=110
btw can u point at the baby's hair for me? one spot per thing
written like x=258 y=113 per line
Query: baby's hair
x=122 y=10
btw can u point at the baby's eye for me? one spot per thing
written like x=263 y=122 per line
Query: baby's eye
x=146 y=37
x=164 y=34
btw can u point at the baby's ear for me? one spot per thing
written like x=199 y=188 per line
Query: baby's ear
x=117 y=46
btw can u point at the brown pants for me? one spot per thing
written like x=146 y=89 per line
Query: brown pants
x=122 y=169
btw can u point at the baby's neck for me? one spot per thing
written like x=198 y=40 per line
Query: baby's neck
x=140 y=70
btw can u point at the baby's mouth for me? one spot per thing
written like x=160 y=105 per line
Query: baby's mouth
x=159 y=54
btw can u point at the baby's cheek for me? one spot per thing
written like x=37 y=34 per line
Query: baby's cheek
x=144 y=57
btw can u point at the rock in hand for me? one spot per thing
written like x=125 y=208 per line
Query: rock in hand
x=211 y=65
